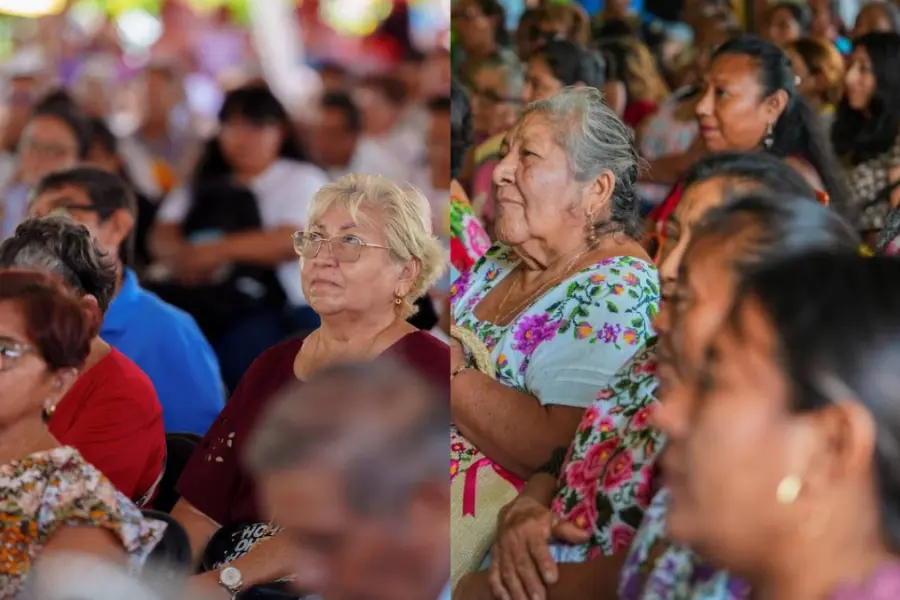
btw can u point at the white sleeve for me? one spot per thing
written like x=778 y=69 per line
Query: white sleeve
x=292 y=207
x=174 y=209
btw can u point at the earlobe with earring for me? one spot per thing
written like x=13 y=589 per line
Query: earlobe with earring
x=48 y=410
x=769 y=138
x=398 y=300
x=788 y=489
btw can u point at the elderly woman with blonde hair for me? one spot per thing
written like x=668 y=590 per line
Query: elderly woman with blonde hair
x=366 y=256
x=550 y=313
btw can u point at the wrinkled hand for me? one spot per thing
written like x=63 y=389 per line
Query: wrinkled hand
x=521 y=563
x=473 y=587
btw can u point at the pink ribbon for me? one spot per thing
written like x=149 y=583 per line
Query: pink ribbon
x=472 y=478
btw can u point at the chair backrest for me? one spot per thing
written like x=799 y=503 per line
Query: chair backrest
x=171 y=558
x=179 y=449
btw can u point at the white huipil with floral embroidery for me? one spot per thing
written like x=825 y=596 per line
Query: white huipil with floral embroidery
x=565 y=347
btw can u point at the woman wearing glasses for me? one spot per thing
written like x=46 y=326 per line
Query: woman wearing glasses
x=365 y=257
x=53 y=500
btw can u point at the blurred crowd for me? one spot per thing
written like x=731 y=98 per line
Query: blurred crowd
x=186 y=287
x=663 y=315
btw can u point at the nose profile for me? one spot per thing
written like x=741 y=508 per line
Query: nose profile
x=504 y=172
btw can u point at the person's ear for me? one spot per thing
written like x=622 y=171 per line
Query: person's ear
x=775 y=105
x=843 y=445
x=599 y=194
x=116 y=228
x=62 y=382
x=409 y=273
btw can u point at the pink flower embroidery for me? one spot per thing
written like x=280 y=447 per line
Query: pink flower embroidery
x=478 y=239
x=533 y=330
x=631 y=279
x=597 y=456
x=584 y=514
x=590 y=415
x=630 y=336
x=641 y=418
x=605 y=394
x=618 y=471
x=621 y=536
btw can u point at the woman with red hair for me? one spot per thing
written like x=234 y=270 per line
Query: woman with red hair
x=53 y=500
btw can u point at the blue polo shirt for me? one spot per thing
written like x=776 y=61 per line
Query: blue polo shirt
x=166 y=343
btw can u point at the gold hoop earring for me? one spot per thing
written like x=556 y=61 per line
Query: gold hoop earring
x=788 y=489
x=398 y=300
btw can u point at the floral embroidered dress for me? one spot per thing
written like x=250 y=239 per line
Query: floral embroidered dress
x=573 y=339
x=605 y=483
x=468 y=240
x=677 y=573
x=48 y=490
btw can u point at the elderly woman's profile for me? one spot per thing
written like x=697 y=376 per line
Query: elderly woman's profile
x=555 y=307
x=368 y=253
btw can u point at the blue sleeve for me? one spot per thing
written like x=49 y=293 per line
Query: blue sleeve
x=194 y=393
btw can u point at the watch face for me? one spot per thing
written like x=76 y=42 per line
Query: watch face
x=230 y=577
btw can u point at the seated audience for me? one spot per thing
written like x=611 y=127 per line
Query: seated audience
x=564 y=298
x=57 y=136
x=367 y=255
x=394 y=529
x=335 y=142
x=799 y=497
x=820 y=69
x=225 y=237
x=110 y=414
x=590 y=546
x=162 y=340
x=53 y=500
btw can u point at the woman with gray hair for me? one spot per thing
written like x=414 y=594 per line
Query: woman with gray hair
x=368 y=253
x=553 y=309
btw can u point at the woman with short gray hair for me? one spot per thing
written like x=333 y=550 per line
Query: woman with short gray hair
x=365 y=257
x=564 y=298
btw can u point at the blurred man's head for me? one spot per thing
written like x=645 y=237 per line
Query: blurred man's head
x=162 y=87
x=334 y=140
x=91 y=196
x=67 y=249
x=363 y=449
x=381 y=101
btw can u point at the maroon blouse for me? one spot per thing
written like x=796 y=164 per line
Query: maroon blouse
x=214 y=480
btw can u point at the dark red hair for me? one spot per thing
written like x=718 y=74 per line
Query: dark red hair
x=57 y=321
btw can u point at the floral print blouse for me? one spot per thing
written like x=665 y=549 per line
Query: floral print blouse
x=48 y=490
x=468 y=240
x=572 y=340
x=605 y=484
x=677 y=573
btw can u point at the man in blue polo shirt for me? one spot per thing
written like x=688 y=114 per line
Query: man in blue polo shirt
x=162 y=340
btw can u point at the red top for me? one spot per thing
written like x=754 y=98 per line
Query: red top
x=214 y=480
x=635 y=112
x=113 y=417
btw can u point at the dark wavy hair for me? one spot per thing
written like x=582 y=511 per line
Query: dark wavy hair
x=257 y=104
x=853 y=357
x=858 y=137
x=798 y=131
x=767 y=172
x=65 y=248
x=571 y=63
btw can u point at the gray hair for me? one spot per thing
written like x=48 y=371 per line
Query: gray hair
x=512 y=68
x=595 y=139
x=380 y=424
x=66 y=249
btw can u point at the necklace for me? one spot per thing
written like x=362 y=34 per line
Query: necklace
x=505 y=317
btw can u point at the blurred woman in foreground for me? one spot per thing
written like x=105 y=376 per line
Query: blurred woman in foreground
x=813 y=409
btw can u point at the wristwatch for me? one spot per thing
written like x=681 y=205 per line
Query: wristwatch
x=231 y=579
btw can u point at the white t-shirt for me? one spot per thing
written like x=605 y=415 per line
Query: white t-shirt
x=284 y=193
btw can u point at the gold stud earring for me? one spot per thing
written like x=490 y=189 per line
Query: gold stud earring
x=398 y=300
x=49 y=409
x=789 y=489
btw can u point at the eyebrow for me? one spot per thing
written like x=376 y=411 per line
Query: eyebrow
x=344 y=227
